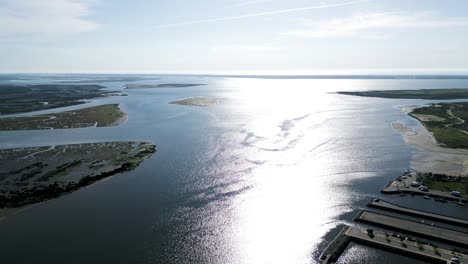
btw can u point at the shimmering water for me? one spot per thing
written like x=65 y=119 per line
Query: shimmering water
x=266 y=176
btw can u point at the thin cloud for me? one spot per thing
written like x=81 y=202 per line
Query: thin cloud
x=45 y=17
x=243 y=49
x=251 y=2
x=269 y=13
x=375 y=25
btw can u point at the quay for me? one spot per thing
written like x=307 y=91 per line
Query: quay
x=383 y=205
x=415 y=228
x=381 y=240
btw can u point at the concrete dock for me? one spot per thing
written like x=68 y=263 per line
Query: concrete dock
x=387 y=242
x=412 y=227
x=383 y=205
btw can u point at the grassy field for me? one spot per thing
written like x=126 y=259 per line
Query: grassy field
x=444 y=183
x=430 y=94
x=446 y=121
x=446 y=186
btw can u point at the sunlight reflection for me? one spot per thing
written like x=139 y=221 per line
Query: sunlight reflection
x=294 y=201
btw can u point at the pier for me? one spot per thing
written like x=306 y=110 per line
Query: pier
x=383 y=205
x=387 y=242
x=415 y=228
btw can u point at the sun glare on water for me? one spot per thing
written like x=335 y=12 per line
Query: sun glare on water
x=282 y=218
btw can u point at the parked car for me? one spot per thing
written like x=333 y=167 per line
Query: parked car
x=456 y=194
x=423 y=188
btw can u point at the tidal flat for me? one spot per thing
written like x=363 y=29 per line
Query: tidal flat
x=446 y=122
x=97 y=116
x=35 y=174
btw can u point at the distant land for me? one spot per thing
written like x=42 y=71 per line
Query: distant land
x=107 y=79
x=28 y=98
x=428 y=94
x=97 y=116
x=197 y=101
x=447 y=122
x=162 y=85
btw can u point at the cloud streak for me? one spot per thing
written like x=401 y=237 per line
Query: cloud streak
x=243 y=49
x=375 y=25
x=268 y=13
x=45 y=17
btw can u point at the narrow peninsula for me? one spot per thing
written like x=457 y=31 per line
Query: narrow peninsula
x=97 y=116
x=28 y=98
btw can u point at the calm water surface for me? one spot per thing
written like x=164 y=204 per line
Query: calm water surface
x=266 y=176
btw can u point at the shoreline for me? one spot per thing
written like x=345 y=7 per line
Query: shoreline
x=52 y=176
x=90 y=117
x=432 y=156
x=10 y=211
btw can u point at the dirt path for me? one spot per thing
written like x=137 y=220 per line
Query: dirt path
x=460 y=121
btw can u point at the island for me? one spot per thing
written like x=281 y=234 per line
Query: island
x=34 y=174
x=162 y=85
x=97 y=116
x=28 y=98
x=428 y=94
x=197 y=101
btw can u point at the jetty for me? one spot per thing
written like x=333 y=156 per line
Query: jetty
x=393 y=243
x=411 y=227
x=386 y=206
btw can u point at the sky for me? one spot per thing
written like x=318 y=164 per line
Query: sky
x=234 y=37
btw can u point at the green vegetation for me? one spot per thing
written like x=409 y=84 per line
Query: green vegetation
x=103 y=115
x=446 y=121
x=430 y=94
x=444 y=182
x=28 y=98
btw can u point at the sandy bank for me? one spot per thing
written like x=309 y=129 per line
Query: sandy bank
x=197 y=101
x=433 y=157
